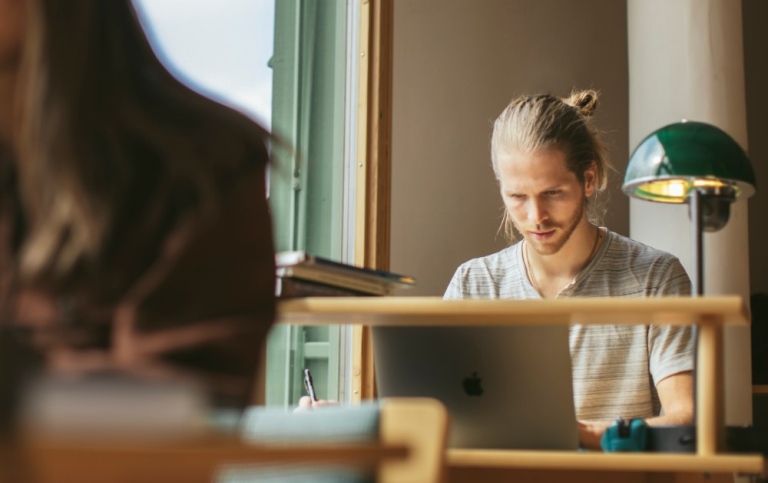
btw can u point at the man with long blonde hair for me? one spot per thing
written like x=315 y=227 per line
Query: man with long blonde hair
x=551 y=167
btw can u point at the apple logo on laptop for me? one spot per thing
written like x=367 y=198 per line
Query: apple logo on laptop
x=473 y=385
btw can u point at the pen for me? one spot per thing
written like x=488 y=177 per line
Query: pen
x=309 y=386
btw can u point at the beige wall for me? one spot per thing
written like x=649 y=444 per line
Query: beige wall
x=755 y=15
x=457 y=63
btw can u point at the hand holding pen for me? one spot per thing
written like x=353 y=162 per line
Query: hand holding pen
x=310 y=401
x=309 y=386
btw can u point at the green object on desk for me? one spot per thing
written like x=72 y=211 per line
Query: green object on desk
x=625 y=435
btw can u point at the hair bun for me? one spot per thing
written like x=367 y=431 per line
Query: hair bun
x=584 y=101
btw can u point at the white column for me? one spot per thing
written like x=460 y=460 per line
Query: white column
x=686 y=62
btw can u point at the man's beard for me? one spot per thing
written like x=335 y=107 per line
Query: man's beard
x=553 y=246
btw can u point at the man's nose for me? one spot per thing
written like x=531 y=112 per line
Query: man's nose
x=536 y=211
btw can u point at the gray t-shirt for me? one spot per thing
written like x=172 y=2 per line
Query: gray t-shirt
x=614 y=366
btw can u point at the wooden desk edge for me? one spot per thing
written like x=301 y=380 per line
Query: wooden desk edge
x=710 y=310
x=571 y=460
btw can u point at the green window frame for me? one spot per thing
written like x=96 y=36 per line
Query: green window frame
x=309 y=67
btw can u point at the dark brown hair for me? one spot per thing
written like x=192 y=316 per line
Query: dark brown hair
x=111 y=149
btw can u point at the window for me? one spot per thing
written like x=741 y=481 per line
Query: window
x=221 y=48
x=291 y=64
x=307 y=184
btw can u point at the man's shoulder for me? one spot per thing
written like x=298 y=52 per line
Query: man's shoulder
x=628 y=249
x=490 y=276
x=498 y=260
x=631 y=268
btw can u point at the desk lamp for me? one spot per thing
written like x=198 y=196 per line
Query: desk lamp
x=694 y=163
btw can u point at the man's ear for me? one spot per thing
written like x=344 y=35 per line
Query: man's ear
x=590 y=175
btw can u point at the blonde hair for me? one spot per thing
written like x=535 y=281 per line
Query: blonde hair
x=112 y=151
x=533 y=123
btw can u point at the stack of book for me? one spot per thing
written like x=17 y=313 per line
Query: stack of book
x=300 y=274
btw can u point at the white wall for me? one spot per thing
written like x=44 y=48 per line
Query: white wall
x=457 y=64
x=693 y=68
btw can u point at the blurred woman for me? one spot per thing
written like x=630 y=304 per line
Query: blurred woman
x=134 y=229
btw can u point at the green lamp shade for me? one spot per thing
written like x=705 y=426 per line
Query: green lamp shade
x=679 y=157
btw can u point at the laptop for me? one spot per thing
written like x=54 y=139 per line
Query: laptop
x=504 y=387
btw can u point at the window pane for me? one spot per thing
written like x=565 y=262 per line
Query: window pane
x=221 y=48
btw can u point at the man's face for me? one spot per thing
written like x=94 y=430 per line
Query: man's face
x=545 y=201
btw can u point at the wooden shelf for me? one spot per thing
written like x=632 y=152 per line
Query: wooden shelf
x=723 y=310
x=710 y=314
x=569 y=460
x=760 y=389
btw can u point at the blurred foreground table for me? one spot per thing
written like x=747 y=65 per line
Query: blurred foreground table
x=193 y=461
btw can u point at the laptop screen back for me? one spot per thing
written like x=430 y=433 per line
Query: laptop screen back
x=504 y=387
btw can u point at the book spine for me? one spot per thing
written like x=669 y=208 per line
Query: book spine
x=336 y=279
x=294 y=287
x=369 y=273
x=306 y=261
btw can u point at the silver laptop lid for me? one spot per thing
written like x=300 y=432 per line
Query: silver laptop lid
x=504 y=387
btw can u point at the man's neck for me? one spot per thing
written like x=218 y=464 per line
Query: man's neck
x=555 y=271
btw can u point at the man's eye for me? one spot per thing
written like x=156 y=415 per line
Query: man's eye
x=515 y=196
x=552 y=192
